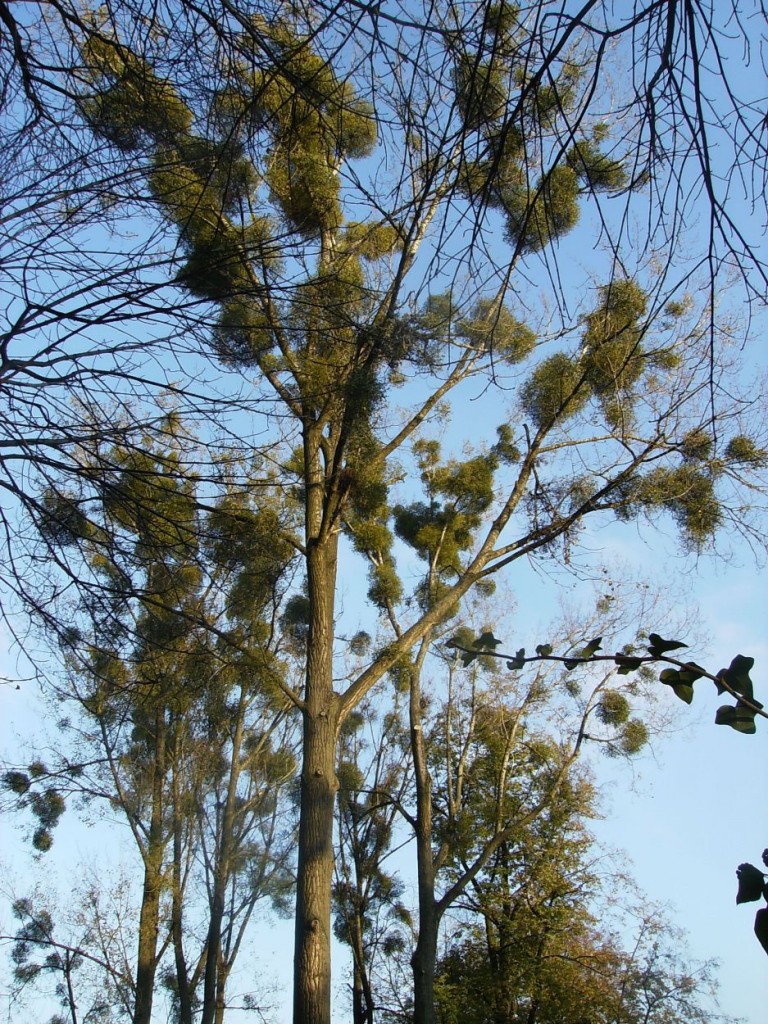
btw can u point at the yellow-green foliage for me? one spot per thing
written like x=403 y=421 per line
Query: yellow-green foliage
x=469 y=484
x=497 y=170
x=742 y=449
x=372 y=241
x=595 y=168
x=218 y=265
x=495 y=329
x=555 y=390
x=432 y=590
x=149 y=497
x=613 y=708
x=128 y=102
x=195 y=196
x=198 y=183
x=306 y=189
x=384 y=585
x=440 y=530
x=634 y=737
x=481 y=91
x=401 y=673
x=243 y=333
x=370 y=536
x=197 y=180
x=696 y=446
x=537 y=216
x=501 y=20
x=613 y=356
x=62 y=520
x=247 y=542
x=326 y=309
x=687 y=492
x=316 y=120
x=505 y=448
x=549 y=99
x=438 y=315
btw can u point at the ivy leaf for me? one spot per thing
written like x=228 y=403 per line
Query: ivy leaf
x=682 y=689
x=486 y=641
x=544 y=650
x=627 y=663
x=658 y=646
x=751 y=881
x=592 y=647
x=518 y=661
x=761 y=927
x=737 y=676
x=586 y=652
x=740 y=718
x=467 y=658
x=690 y=672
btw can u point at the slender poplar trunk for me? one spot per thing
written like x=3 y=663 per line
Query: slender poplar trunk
x=359 y=1012
x=212 y=995
x=425 y=954
x=221 y=987
x=177 y=910
x=149 y=918
x=362 y=997
x=71 y=1002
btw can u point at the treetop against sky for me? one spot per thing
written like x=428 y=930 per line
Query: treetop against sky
x=363 y=215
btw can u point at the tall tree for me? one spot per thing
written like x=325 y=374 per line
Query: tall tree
x=555 y=937
x=246 y=137
x=493 y=755
x=174 y=688
x=370 y=913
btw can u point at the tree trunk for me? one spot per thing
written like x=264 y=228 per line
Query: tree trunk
x=177 y=905
x=221 y=987
x=312 y=957
x=212 y=990
x=425 y=954
x=312 y=987
x=362 y=997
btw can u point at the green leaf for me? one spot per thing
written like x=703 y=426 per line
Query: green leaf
x=544 y=650
x=761 y=927
x=737 y=676
x=467 y=658
x=751 y=881
x=486 y=641
x=740 y=718
x=592 y=647
x=627 y=663
x=683 y=690
x=518 y=661
x=586 y=652
x=658 y=646
x=690 y=672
